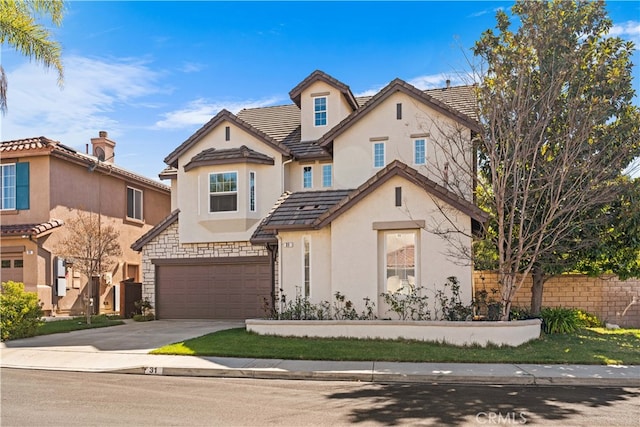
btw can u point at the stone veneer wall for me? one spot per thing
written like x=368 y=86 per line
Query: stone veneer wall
x=167 y=246
x=607 y=296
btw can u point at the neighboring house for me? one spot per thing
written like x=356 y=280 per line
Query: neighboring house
x=333 y=193
x=44 y=185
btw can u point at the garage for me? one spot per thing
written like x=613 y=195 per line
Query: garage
x=213 y=288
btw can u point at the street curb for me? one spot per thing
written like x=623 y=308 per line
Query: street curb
x=377 y=377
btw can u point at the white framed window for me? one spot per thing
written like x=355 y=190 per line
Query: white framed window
x=400 y=260
x=8 y=186
x=307 y=177
x=223 y=192
x=306 y=265
x=420 y=151
x=327 y=175
x=134 y=203
x=252 y=191
x=320 y=111
x=378 y=155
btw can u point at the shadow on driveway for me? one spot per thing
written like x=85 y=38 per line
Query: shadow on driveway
x=132 y=336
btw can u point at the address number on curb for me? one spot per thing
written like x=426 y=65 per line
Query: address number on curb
x=152 y=371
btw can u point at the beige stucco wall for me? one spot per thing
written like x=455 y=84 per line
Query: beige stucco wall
x=337 y=109
x=355 y=249
x=353 y=150
x=198 y=224
x=294 y=178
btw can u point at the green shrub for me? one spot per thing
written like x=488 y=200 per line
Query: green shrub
x=589 y=320
x=20 y=311
x=560 y=320
x=520 y=313
x=144 y=317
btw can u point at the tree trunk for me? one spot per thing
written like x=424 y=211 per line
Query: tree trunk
x=507 y=290
x=536 y=289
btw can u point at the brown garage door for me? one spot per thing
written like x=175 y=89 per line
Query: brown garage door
x=218 y=289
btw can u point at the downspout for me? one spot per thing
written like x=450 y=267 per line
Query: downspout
x=273 y=255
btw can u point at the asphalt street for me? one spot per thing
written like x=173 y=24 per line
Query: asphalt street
x=39 y=398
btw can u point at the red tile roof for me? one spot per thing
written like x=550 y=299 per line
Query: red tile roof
x=30 y=229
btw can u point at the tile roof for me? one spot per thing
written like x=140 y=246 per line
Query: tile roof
x=155 y=231
x=213 y=156
x=301 y=209
x=318 y=75
x=224 y=115
x=30 y=229
x=316 y=209
x=59 y=150
x=26 y=144
x=261 y=235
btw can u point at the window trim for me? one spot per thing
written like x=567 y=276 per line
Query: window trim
x=424 y=151
x=310 y=176
x=317 y=112
x=327 y=176
x=253 y=195
x=375 y=164
x=236 y=191
x=306 y=266
x=416 y=256
x=13 y=189
x=134 y=206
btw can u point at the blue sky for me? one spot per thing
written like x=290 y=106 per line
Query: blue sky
x=151 y=73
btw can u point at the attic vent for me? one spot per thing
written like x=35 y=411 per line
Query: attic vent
x=308 y=207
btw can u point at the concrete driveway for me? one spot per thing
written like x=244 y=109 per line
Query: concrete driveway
x=131 y=337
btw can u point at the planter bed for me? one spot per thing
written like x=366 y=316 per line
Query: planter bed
x=513 y=333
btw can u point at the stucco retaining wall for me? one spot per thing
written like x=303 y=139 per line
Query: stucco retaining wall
x=457 y=333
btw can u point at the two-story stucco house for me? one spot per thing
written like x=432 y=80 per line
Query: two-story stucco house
x=44 y=185
x=332 y=193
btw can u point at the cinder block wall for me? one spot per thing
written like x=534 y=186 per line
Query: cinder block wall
x=607 y=296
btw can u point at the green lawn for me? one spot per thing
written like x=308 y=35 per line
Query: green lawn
x=596 y=346
x=75 y=324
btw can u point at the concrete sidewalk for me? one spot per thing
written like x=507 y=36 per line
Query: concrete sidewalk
x=122 y=349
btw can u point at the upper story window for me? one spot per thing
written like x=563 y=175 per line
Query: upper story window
x=378 y=155
x=134 y=203
x=223 y=192
x=8 y=186
x=252 y=191
x=420 y=152
x=320 y=111
x=327 y=175
x=307 y=177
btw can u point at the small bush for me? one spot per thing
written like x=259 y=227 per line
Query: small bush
x=560 y=320
x=144 y=317
x=20 y=311
x=520 y=313
x=589 y=320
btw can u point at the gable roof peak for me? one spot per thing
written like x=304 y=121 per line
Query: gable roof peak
x=319 y=75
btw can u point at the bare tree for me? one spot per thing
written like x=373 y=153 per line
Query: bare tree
x=558 y=128
x=91 y=246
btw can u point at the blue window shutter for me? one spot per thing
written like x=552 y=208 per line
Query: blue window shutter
x=22 y=186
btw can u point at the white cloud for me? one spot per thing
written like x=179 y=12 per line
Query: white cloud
x=434 y=81
x=192 y=67
x=94 y=90
x=629 y=30
x=200 y=111
x=430 y=81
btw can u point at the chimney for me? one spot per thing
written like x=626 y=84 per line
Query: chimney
x=103 y=148
x=448 y=85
